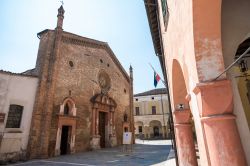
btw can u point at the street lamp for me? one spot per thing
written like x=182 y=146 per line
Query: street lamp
x=243 y=66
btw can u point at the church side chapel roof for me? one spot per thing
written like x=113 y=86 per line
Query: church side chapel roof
x=30 y=72
x=84 y=41
x=18 y=74
x=152 y=92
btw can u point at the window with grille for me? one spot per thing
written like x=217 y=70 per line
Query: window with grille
x=137 y=111
x=153 y=110
x=14 y=116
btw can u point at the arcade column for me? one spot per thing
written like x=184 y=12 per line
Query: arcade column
x=215 y=102
x=184 y=138
x=95 y=138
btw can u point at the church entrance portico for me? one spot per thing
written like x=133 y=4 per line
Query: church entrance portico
x=103 y=128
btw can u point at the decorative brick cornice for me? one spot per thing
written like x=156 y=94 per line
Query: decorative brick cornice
x=71 y=40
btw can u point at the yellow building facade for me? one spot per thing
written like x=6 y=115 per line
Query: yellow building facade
x=151 y=114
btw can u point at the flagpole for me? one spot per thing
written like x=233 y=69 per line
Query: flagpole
x=156 y=72
x=170 y=119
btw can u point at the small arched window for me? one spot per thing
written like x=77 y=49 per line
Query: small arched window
x=66 y=109
x=125 y=117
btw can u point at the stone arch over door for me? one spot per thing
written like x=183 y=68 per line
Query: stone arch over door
x=155 y=129
x=103 y=111
x=66 y=132
x=182 y=118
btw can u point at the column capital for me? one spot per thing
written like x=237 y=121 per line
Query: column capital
x=214 y=98
x=182 y=116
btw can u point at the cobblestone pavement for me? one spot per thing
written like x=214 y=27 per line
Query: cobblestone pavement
x=144 y=153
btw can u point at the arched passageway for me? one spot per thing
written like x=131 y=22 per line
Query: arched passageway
x=155 y=129
x=182 y=119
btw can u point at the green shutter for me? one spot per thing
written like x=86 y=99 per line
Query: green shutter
x=164 y=7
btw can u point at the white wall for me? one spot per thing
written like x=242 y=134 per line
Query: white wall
x=20 y=90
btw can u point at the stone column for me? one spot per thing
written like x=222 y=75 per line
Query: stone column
x=184 y=138
x=113 y=140
x=215 y=102
x=73 y=137
x=113 y=122
x=58 y=141
x=146 y=132
x=95 y=142
x=93 y=121
x=97 y=123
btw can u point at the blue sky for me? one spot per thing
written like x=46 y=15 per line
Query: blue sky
x=121 y=23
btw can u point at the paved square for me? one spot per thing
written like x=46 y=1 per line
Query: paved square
x=144 y=153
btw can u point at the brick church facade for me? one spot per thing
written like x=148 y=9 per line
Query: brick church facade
x=82 y=96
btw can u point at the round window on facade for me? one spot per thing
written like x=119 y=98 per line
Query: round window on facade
x=71 y=64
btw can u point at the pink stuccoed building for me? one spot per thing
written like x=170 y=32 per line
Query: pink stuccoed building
x=203 y=50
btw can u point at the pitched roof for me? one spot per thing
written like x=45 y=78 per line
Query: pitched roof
x=86 y=41
x=30 y=72
x=152 y=92
x=16 y=74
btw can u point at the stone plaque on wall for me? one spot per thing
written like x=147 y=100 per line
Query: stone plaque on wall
x=2 y=116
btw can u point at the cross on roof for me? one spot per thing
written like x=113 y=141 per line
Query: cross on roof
x=62 y=2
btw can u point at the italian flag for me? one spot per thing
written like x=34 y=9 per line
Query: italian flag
x=156 y=79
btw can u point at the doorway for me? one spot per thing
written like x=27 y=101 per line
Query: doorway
x=102 y=124
x=65 y=140
x=156 y=131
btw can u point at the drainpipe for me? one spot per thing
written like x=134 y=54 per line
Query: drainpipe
x=164 y=124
